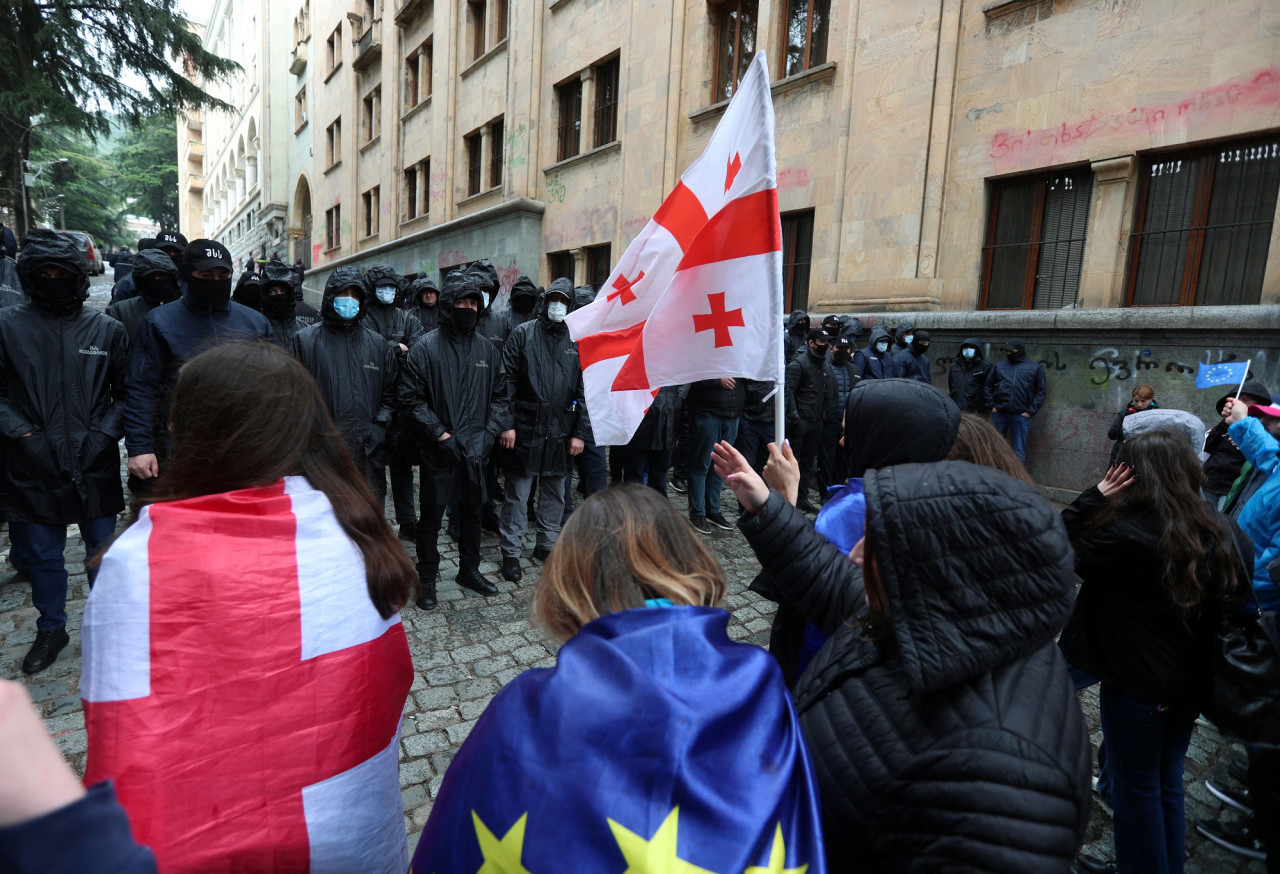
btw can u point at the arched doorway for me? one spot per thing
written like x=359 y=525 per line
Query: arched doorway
x=301 y=222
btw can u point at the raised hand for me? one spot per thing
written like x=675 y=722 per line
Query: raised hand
x=746 y=484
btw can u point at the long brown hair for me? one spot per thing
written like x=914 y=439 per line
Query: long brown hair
x=246 y=415
x=1196 y=546
x=980 y=443
x=621 y=547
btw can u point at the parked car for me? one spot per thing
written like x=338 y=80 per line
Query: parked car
x=97 y=264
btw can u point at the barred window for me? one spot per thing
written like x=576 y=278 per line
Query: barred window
x=797 y=252
x=569 y=99
x=606 y=120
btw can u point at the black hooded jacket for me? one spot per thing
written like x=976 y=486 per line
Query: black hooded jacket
x=427 y=316
x=912 y=361
x=355 y=368
x=388 y=320
x=797 y=330
x=810 y=392
x=1226 y=460
x=131 y=311
x=523 y=291
x=452 y=382
x=62 y=381
x=544 y=392
x=661 y=423
x=1020 y=385
x=282 y=310
x=950 y=739
x=871 y=364
x=971 y=380
x=887 y=422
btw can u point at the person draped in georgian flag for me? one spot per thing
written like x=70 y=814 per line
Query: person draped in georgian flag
x=245 y=669
x=698 y=294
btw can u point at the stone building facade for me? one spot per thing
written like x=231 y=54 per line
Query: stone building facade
x=986 y=158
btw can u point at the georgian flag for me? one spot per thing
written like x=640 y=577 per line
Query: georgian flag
x=243 y=692
x=698 y=294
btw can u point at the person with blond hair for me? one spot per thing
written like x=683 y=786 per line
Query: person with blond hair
x=654 y=737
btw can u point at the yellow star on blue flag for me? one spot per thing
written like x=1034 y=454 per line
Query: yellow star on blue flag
x=1231 y=373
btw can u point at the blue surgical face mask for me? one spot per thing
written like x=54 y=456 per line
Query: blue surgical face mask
x=969 y=352
x=346 y=307
x=386 y=293
x=882 y=346
x=908 y=338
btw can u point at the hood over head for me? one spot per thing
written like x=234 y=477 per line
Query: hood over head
x=523 y=287
x=42 y=246
x=1162 y=419
x=384 y=274
x=485 y=277
x=796 y=320
x=906 y=328
x=851 y=327
x=456 y=285
x=155 y=277
x=1254 y=388
x=879 y=332
x=339 y=280
x=248 y=290
x=897 y=421
x=421 y=285
x=974 y=344
x=277 y=273
x=962 y=603
x=564 y=288
x=279 y=307
x=582 y=296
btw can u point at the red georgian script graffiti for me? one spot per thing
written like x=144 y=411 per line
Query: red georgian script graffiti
x=793 y=177
x=1012 y=149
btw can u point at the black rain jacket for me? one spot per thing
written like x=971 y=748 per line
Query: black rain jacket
x=521 y=290
x=1020 y=386
x=796 y=334
x=427 y=316
x=661 y=423
x=62 y=378
x=971 y=380
x=389 y=320
x=10 y=285
x=951 y=739
x=544 y=393
x=912 y=364
x=285 y=321
x=810 y=392
x=754 y=406
x=874 y=365
x=453 y=383
x=355 y=369
x=131 y=311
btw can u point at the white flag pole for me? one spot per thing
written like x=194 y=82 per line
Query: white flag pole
x=1244 y=378
x=779 y=415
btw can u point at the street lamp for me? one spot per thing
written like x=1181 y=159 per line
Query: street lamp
x=29 y=180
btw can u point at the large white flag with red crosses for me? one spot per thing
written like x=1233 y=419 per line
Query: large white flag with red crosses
x=698 y=294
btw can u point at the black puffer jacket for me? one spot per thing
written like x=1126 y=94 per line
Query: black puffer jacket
x=811 y=392
x=971 y=380
x=544 y=392
x=356 y=371
x=62 y=379
x=158 y=283
x=452 y=383
x=955 y=742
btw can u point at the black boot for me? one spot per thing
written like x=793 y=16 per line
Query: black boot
x=409 y=530
x=511 y=571
x=427 y=590
x=471 y=578
x=44 y=651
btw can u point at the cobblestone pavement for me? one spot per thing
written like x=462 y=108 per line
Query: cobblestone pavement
x=470 y=647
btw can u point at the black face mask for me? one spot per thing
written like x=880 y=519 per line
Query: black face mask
x=58 y=297
x=840 y=356
x=278 y=307
x=1013 y=357
x=523 y=304
x=209 y=293
x=464 y=319
x=158 y=288
x=819 y=351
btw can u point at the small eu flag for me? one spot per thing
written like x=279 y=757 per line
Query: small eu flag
x=1221 y=374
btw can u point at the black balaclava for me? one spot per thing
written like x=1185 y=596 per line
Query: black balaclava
x=920 y=342
x=460 y=321
x=1015 y=351
x=172 y=244
x=57 y=297
x=278 y=308
x=248 y=291
x=524 y=295
x=206 y=295
x=155 y=277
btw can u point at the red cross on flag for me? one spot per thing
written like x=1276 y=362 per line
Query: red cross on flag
x=698 y=294
x=242 y=690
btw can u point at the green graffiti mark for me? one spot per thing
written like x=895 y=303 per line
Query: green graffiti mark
x=555 y=189
x=515 y=147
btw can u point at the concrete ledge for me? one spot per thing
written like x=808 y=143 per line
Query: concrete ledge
x=1227 y=318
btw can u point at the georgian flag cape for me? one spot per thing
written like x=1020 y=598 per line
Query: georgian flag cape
x=243 y=692
x=698 y=294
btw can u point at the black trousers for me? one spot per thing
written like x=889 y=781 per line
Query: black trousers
x=830 y=459
x=753 y=442
x=402 y=492
x=429 y=524
x=1264 y=787
x=646 y=466
x=805 y=444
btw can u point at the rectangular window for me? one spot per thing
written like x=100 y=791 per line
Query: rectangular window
x=333 y=49
x=333 y=227
x=476 y=21
x=797 y=252
x=300 y=108
x=1203 y=226
x=371 y=206
x=500 y=9
x=411 y=193
x=560 y=265
x=475 y=163
x=805 y=35
x=1035 y=240
x=333 y=143
x=735 y=44
x=497 y=143
x=606 y=120
x=426 y=65
x=411 y=93
x=598 y=265
x=371 y=116
x=569 y=99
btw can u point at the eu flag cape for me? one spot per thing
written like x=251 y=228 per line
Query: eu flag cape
x=656 y=744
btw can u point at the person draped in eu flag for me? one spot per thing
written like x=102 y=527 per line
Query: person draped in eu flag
x=656 y=744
